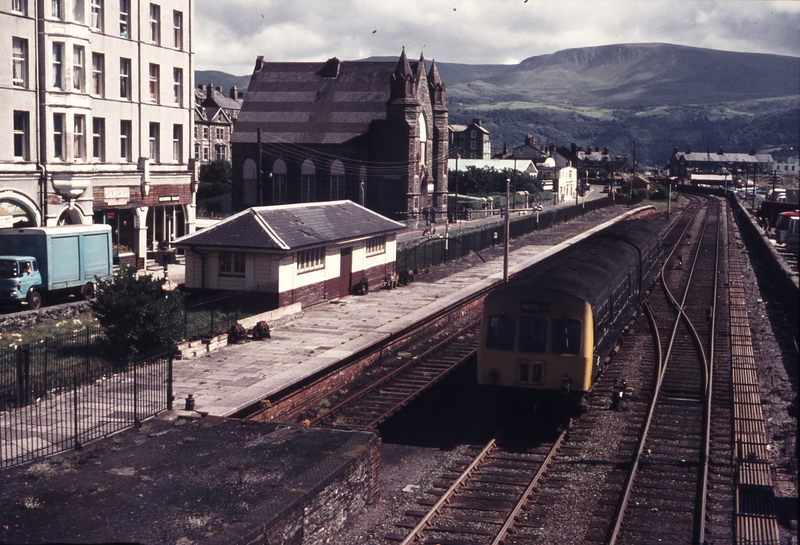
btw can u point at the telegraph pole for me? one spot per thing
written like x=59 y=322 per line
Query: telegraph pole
x=508 y=231
x=259 y=175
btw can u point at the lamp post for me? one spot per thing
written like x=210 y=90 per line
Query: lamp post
x=458 y=156
x=508 y=230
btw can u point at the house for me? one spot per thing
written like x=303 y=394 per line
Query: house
x=371 y=132
x=307 y=253
x=684 y=164
x=97 y=118
x=470 y=141
x=561 y=180
x=215 y=115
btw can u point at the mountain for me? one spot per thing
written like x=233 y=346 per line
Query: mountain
x=221 y=80
x=660 y=95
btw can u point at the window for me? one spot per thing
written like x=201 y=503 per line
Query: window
x=56 y=9
x=77 y=11
x=124 y=18
x=58 y=136
x=337 y=181
x=155 y=23
x=533 y=335
x=125 y=78
x=155 y=129
x=308 y=180
x=220 y=133
x=500 y=334
x=98 y=78
x=78 y=65
x=125 y=130
x=177 y=85
x=21 y=131
x=376 y=245
x=79 y=138
x=219 y=152
x=97 y=15
x=231 y=263
x=20 y=62
x=311 y=260
x=205 y=133
x=154 y=73
x=177 y=29
x=19 y=6
x=98 y=139
x=197 y=151
x=279 y=182
x=58 y=64
x=205 y=154
x=566 y=336
x=531 y=372
x=177 y=143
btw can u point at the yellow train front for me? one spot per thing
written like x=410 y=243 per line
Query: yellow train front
x=543 y=333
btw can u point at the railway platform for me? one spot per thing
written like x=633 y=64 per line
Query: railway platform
x=236 y=376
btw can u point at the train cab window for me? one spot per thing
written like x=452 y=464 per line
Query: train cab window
x=500 y=335
x=533 y=335
x=566 y=336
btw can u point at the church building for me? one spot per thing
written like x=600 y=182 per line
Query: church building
x=369 y=131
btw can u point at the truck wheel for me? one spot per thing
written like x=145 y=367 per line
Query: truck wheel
x=87 y=291
x=35 y=300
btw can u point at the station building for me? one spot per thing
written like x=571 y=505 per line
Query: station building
x=97 y=121
x=306 y=253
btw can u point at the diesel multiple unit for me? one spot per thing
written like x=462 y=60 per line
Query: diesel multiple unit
x=543 y=333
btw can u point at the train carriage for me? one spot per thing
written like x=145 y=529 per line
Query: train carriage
x=543 y=333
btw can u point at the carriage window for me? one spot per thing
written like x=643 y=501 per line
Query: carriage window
x=531 y=372
x=566 y=336
x=501 y=333
x=532 y=334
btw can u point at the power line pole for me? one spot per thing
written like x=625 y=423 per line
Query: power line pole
x=508 y=231
x=259 y=175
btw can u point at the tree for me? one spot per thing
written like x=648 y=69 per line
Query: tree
x=137 y=312
x=215 y=179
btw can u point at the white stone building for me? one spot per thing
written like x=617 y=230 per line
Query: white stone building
x=96 y=122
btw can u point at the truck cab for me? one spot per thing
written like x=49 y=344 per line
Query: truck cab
x=20 y=280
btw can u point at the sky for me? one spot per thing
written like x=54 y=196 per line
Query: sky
x=230 y=35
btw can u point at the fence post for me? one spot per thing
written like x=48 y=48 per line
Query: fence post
x=75 y=404
x=135 y=398
x=169 y=378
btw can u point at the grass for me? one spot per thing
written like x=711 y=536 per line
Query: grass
x=43 y=330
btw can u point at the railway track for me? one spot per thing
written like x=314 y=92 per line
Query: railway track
x=480 y=498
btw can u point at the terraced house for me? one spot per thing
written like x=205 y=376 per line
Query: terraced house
x=97 y=117
x=371 y=132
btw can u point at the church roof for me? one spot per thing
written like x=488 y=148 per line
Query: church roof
x=316 y=102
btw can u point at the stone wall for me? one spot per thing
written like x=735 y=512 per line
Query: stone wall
x=29 y=318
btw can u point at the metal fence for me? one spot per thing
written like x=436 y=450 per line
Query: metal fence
x=216 y=315
x=57 y=398
x=434 y=252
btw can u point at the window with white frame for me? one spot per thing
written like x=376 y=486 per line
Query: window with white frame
x=177 y=29
x=279 y=182
x=58 y=65
x=19 y=6
x=58 y=136
x=155 y=130
x=312 y=259
x=98 y=139
x=177 y=143
x=220 y=133
x=219 y=152
x=197 y=151
x=308 y=181
x=98 y=74
x=177 y=85
x=125 y=18
x=79 y=138
x=78 y=67
x=153 y=82
x=125 y=133
x=231 y=263
x=77 y=11
x=125 y=78
x=155 y=23
x=56 y=9
x=19 y=55
x=97 y=15
x=376 y=245
x=21 y=136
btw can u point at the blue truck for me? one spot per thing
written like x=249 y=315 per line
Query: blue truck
x=39 y=262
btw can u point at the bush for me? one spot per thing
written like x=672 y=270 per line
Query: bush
x=137 y=313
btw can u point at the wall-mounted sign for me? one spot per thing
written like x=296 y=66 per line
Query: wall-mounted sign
x=171 y=198
x=116 y=196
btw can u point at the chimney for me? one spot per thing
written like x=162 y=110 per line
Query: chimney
x=675 y=150
x=605 y=150
x=597 y=149
x=529 y=140
x=476 y=121
x=721 y=151
x=233 y=93
x=210 y=90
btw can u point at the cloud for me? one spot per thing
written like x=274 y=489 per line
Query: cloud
x=478 y=32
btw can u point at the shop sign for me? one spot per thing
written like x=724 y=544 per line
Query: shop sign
x=116 y=196
x=172 y=198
